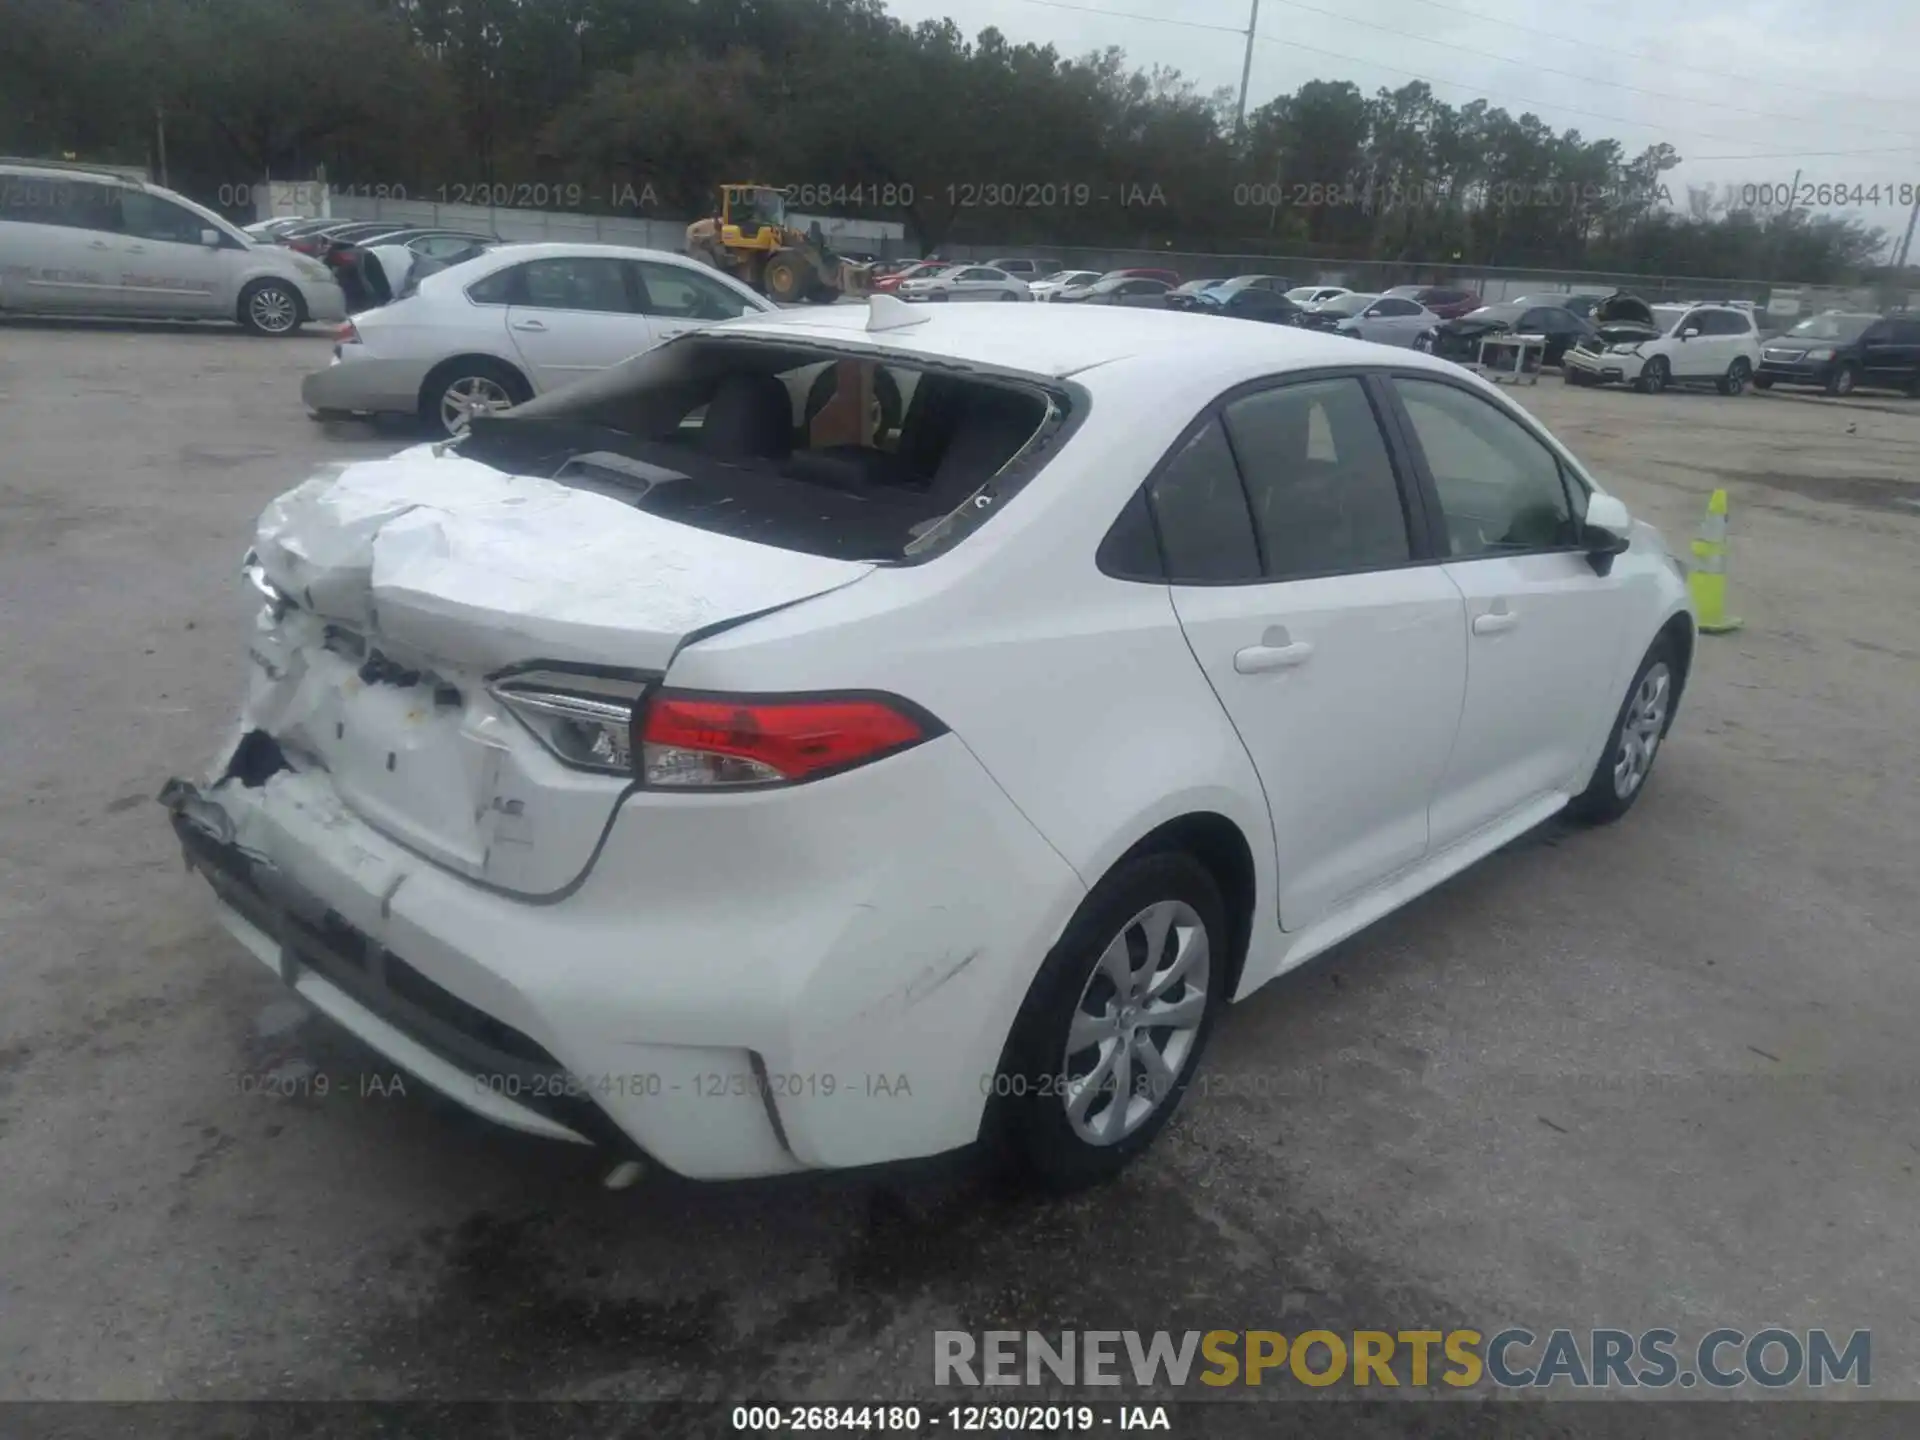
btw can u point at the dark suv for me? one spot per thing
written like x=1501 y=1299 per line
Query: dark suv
x=1838 y=351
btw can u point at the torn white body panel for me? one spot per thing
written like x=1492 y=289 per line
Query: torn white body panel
x=460 y=563
x=415 y=578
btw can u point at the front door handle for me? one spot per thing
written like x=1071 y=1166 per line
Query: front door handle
x=1494 y=622
x=528 y=325
x=1277 y=650
x=99 y=245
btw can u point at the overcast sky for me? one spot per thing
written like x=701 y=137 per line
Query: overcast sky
x=1731 y=78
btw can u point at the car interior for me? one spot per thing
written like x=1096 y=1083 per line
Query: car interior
x=771 y=443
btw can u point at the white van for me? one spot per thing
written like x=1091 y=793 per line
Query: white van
x=76 y=240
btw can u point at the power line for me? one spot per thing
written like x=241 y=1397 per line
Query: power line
x=1480 y=91
x=1483 y=92
x=1150 y=19
x=1476 y=51
x=1664 y=60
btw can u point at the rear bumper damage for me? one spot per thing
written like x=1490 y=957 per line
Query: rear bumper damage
x=689 y=1003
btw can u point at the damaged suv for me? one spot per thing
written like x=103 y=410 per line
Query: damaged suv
x=749 y=779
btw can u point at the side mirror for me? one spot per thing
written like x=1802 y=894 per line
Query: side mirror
x=210 y=238
x=1606 y=532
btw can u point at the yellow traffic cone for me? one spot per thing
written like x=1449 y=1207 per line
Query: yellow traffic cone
x=1707 y=581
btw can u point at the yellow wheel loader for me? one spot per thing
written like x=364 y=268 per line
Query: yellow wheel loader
x=750 y=239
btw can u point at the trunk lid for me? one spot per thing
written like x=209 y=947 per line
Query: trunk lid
x=413 y=579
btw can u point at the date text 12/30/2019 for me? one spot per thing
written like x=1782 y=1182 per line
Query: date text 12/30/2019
x=955 y=1419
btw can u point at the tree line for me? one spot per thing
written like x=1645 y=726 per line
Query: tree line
x=619 y=104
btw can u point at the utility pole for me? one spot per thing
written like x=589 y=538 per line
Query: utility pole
x=1246 y=70
x=1905 y=252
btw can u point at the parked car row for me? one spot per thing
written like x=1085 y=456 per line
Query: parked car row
x=344 y=247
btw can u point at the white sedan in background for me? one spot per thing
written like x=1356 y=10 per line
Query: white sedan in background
x=1065 y=280
x=640 y=773
x=516 y=322
x=1316 y=294
x=967 y=282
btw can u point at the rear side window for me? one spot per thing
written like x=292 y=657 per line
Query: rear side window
x=73 y=204
x=499 y=288
x=683 y=294
x=1200 y=509
x=577 y=282
x=1723 y=322
x=1394 y=305
x=1319 y=480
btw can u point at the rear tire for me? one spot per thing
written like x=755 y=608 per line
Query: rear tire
x=1071 y=1117
x=454 y=392
x=1639 y=727
x=1738 y=375
x=272 y=308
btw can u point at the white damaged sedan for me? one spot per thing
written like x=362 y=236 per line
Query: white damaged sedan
x=747 y=785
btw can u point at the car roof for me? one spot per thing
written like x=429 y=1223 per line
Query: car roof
x=1050 y=343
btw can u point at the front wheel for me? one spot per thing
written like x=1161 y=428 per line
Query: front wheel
x=1113 y=1027
x=1655 y=377
x=1843 y=381
x=1763 y=382
x=1638 y=729
x=271 y=307
x=1735 y=381
x=787 y=278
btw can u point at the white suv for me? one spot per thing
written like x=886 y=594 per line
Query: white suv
x=1707 y=345
x=76 y=240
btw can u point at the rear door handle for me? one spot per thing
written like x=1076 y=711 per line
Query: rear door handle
x=1494 y=622
x=528 y=325
x=1277 y=650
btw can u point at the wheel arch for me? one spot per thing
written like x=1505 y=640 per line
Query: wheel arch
x=1678 y=631
x=1221 y=846
x=436 y=375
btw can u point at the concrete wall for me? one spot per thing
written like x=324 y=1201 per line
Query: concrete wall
x=878 y=236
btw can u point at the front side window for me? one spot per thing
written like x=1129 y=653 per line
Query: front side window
x=1318 y=479
x=577 y=282
x=1200 y=510
x=1500 y=488
x=148 y=217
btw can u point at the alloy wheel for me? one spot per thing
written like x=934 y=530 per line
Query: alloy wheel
x=1136 y=1023
x=272 y=310
x=1654 y=378
x=1641 y=729
x=471 y=395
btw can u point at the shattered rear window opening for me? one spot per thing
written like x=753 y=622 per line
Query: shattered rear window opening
x=842 y=454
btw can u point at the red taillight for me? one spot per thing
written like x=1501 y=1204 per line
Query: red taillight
x=346 y=334
x=698 y=741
